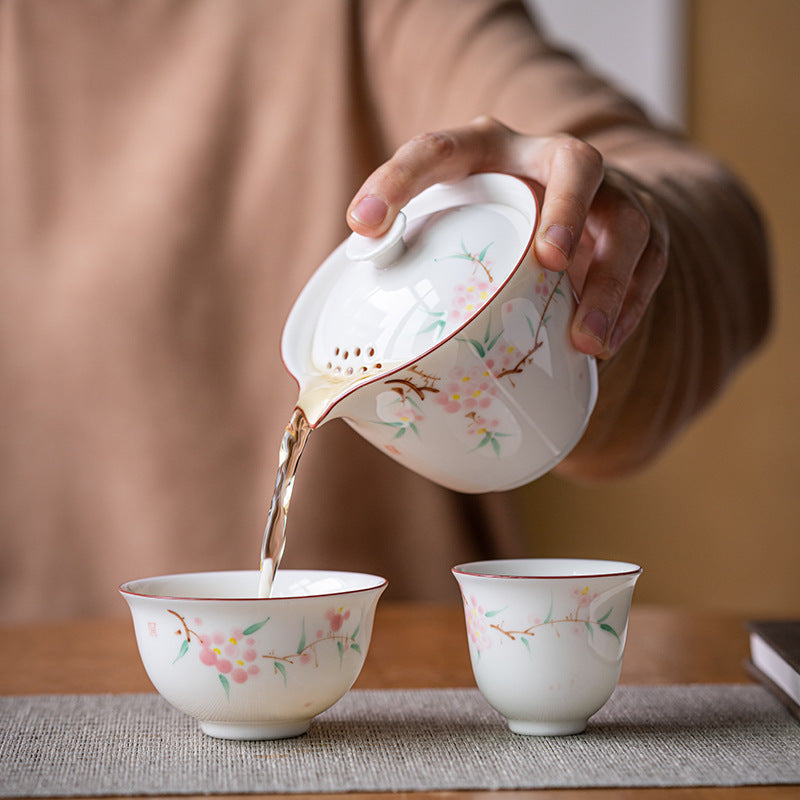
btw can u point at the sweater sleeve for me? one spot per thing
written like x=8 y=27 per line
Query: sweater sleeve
x=432 y=65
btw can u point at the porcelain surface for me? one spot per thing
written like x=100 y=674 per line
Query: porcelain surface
x=248 y=667
x=546 y=637
x=445 y=344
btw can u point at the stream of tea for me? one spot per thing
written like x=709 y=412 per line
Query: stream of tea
x=292 y=444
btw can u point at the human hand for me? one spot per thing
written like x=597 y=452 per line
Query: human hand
x=601 y=226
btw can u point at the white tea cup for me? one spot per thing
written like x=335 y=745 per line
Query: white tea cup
x=546 y=637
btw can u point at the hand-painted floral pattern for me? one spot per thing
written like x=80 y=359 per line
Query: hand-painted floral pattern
x=399 y=411
x=466 y=390
x=336 y=618
x=478 y=260
x=525 y=333
x=584 y=597
x=467 y=300
x=307 y=651
x=468 y=297
x=502 y=359
x=472 y=397
x=491 y=431
x=481 y=628
x=232 y=653
x=476 y=415
x=477 y=625
x=235 y=656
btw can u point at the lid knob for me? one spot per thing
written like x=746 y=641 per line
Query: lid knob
x=382 y=251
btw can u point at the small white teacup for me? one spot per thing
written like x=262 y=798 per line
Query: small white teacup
x=546 y=637
x=249 y=667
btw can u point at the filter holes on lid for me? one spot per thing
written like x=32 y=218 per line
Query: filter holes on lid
x=351 y=359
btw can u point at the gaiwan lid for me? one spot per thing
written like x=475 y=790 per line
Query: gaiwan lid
x=376 y=304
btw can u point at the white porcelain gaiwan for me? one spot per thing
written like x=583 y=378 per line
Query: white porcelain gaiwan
x=444 y=343
x=546 y=637
x=253 y=668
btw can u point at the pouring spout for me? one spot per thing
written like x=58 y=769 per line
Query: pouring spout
x=320 y=395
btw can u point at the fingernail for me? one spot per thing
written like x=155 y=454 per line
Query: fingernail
x=595 y=323
x=561 y=237
x=370 y=211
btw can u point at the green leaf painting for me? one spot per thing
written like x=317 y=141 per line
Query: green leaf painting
x=251 y=629
x=549 y=612
x=581 y=615
x=183 y=650
x=483 y=347
x=608 y=629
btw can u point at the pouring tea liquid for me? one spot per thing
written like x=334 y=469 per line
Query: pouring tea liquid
x=292 y=444
x=312 y=403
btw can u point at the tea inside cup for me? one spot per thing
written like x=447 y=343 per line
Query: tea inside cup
x=546 y=637
x=250 y=667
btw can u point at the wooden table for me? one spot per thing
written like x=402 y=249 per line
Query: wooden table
x=413 y=646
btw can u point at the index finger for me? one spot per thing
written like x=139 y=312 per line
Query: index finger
x=571 y=171
x=427 y=159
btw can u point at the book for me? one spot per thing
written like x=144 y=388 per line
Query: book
x=775 y=659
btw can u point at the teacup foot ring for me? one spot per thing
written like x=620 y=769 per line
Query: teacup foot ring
x=550 y=728
x=255 y=730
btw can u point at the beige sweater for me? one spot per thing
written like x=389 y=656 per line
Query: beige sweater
x=171 y=173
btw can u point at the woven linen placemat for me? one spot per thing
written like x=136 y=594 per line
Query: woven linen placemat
x=398 y=740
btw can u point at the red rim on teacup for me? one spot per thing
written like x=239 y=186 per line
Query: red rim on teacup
x=128 y=586
x=558 y=568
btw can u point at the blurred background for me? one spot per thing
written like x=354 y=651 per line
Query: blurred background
x=715 y=522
